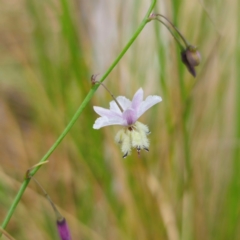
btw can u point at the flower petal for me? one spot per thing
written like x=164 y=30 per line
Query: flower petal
x=130 y=116
x=149 y=102
x=124 y=103
x=104 y=121
x=114 y=107
x=103 y=112
x=137 y=99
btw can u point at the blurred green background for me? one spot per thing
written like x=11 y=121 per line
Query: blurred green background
x=187 y=186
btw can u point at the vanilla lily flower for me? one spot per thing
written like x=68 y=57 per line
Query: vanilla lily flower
x=134 y=134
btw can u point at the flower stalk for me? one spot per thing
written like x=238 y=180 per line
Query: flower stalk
x=93 y=80
x=63 y=229
x=176 y=29
x=189 y=54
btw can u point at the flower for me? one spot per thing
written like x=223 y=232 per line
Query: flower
x=134 y=134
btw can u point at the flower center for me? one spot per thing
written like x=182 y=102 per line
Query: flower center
x=130 y=116
x=130 y=128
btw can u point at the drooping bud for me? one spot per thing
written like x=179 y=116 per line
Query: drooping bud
x=63 y=229
x=191 y=58
x=62 y=226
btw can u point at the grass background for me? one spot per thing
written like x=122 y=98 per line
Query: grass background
x=187 y=186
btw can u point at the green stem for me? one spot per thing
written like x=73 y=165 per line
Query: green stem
x=75 y=117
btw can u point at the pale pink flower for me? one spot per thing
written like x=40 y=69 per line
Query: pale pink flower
x=134 y=135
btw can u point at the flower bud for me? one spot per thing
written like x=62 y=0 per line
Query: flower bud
x=191 y=58
x=62 y=226
x=63 y=229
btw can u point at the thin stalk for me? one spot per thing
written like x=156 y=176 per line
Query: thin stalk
x=116 y=101
x=180 y=34
x=75 y=117
x=57 y=213
x=182 y=48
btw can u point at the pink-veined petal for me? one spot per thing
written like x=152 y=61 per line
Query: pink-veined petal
x=130 y=116
x=137 y=99
x=148 y=103
x=104 y=121
x=103 y=112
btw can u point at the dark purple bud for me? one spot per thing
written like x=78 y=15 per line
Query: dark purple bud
x=191 y=58
x=63 y=229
